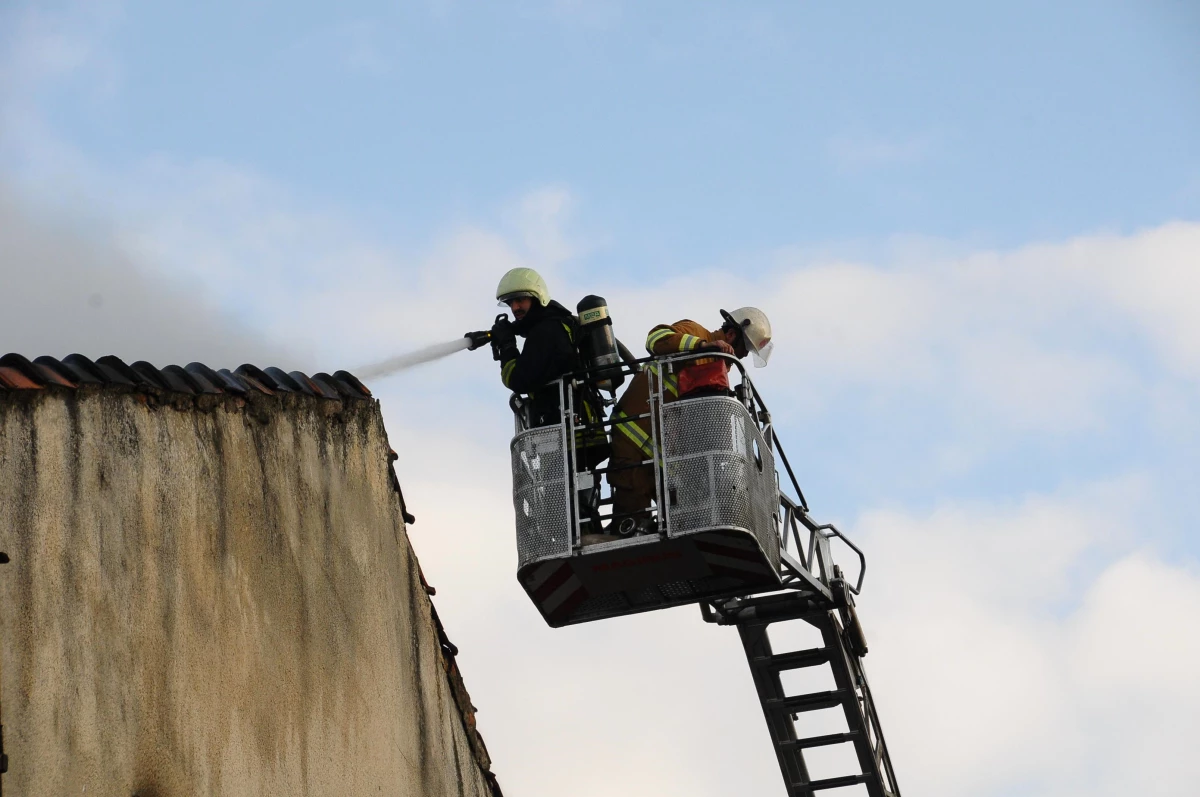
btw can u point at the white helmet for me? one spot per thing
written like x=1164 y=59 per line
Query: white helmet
x=520 y=282
x=756 y=332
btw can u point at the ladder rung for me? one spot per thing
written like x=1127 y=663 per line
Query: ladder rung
x=819 y=741
x=809 y=702
x=795 y=660
x=834 y=783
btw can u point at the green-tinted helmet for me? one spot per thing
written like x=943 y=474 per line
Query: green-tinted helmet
x=522 y=282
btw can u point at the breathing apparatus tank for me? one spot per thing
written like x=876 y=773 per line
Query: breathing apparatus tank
x=598 y=344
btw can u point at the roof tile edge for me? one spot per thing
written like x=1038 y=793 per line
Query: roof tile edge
x=75 y=371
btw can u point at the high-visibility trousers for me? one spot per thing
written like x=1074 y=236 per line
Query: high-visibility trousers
x=633 y=487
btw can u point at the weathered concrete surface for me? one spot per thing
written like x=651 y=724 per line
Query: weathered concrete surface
x=214 y=600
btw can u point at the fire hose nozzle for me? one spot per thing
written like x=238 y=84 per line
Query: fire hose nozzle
x=478 y=339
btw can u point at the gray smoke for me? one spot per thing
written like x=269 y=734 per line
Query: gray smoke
x=403 y=362
x=70 y=287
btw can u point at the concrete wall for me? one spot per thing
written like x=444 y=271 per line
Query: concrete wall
x=215 y=597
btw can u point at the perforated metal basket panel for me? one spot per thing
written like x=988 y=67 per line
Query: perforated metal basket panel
x=719 y=471
x=764 y=498
x=540 y=498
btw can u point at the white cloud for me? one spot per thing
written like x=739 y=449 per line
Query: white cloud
x=541 y=217
x=1043 y=338
x=1036 y=389
x=1155 y=281
x=990 y=682
x=1133 y=654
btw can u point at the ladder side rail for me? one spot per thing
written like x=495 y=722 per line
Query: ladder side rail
x=881 y=755
x=753 y=617
x=845 y=676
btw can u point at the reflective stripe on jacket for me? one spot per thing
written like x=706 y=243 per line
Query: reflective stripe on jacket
x=663 y=339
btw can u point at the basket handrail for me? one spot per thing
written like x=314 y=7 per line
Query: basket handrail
x=815 y=557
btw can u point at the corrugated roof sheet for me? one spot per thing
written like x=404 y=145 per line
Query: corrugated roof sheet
x=74 y=371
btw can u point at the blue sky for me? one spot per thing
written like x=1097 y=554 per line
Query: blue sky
x=789 y=123
x=976 y=228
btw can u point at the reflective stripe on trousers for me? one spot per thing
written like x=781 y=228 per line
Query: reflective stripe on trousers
x=634 y=432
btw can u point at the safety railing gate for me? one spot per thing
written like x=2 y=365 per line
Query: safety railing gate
x=720 y=533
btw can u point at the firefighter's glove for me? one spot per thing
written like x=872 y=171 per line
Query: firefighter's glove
x=504 y=341
x=717 y=345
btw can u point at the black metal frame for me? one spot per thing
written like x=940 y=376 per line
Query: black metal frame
x=842 y=650
x=813 y=590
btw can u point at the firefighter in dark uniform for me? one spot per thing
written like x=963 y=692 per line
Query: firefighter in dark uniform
x=549 y=352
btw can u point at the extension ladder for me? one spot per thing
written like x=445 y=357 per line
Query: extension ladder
x=841 y=652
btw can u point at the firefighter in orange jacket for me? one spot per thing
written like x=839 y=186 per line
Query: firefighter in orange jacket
x=744 y=331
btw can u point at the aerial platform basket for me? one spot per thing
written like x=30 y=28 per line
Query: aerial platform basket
x=722 y=535
x=715 y=530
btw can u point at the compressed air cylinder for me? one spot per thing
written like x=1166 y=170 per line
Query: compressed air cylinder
x=598 y=345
